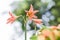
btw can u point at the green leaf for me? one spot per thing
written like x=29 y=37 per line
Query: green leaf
x=34 y=37
x=47 y=38
x=58 y=38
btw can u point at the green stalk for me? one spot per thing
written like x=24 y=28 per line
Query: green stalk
x=35 y=28
x=25 y=28
x=25 y=33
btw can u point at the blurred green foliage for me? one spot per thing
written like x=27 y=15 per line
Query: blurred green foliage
x=34 y=37
x=56 y=12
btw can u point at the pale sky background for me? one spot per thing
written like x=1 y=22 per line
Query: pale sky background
x=6 y=30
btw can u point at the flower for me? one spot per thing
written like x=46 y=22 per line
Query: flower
x=53 y=27
x=12 y=18
x=46 y=33
x=41 y=37
x=31 y=13
x=49 y=33
x=37 y=21
x=58 y=26
x=56 y=32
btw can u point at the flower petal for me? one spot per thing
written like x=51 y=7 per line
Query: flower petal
x=31 y=8
x=36 y=11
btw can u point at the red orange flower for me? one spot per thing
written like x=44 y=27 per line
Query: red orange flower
x=41 y=37
x=31 y=13
x=49 y=33
x=46 y=32
x=38 y=21
x=12 y=18
x=58 y=26
x=53 y=27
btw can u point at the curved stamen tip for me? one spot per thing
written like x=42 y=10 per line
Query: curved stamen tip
x=31 y=4
x=26 y=11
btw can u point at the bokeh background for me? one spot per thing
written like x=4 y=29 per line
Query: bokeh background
x=49 y=12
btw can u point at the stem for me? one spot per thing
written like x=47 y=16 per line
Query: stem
x=25 y=33
x=25 y=28
x=43 y=26
x=35 y=28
